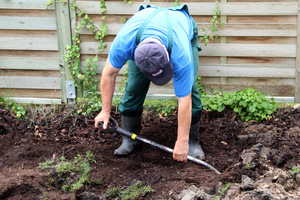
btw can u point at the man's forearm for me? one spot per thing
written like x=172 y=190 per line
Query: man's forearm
x=184 y=118
x=107 y=86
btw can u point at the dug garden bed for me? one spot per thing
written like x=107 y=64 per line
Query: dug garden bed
x=256 y=160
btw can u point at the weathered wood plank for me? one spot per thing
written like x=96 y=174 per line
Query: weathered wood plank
x=30 y=82
x=36 y=100
x=198 y=8
x=25 y=4
x=28 y=63
x=28 y=23
x=233 y=70
x=249 y=50
x=279 y=71
x=270 y=30
x=64 y=35
x=297 y=79
x=32 y=93
x=236 y=50
x=284 y=30
x=20 y=43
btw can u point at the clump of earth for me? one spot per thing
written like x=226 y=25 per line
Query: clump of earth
x=256 y=160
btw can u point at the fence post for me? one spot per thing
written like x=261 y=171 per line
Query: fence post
x=223 y=40
x=64 y=38
x=297 y=78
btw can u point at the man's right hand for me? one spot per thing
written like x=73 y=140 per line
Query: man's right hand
x=102 y=117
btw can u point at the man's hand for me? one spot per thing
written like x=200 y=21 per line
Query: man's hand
x=102 y=117
x=181 y=151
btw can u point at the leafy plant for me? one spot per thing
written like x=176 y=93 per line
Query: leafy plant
x=17 y=109
x=70 y=175
x=294 y=170
x=249 y=104
x=222 y=191
x=176 y=3
x=133 y=192
x=215 y=23
x=160 y=107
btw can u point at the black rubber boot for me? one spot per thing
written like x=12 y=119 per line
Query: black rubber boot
x=132 y=124
x=195 y=149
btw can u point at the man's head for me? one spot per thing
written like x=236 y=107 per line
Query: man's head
x=152 y=58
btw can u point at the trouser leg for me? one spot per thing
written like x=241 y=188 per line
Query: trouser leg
x=131 y=107
x=195 y=149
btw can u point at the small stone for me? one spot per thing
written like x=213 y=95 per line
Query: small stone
x=247 y=183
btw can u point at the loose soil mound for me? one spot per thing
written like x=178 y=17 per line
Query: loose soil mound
x=259 y=153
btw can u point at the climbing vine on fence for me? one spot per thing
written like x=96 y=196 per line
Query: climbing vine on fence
x=215 y=24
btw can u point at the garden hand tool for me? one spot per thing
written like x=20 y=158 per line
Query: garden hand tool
x=116 y=129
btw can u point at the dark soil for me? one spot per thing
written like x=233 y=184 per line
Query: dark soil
x=24 y=143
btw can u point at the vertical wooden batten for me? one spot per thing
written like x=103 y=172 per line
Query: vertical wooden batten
x=64 y=38
x=223 y=40
x=297 y=78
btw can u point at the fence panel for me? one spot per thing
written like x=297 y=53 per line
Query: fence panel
x=257 y=45
x=29 y=65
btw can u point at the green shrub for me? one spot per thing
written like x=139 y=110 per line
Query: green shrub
x=72 y=175
x=17 y=109
x=133 y=192
x=249 y=104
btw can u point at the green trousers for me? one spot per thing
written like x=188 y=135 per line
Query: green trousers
x=137 y=86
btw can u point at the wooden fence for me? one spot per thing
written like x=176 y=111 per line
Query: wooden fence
x=258 y=46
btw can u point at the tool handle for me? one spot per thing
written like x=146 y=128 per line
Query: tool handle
x=116 y=129
x=111 y=128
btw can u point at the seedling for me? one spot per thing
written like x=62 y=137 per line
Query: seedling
x=133 y=192
x=70 y=175
x=295 y=170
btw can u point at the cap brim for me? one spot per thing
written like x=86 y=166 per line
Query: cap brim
x=164 y=77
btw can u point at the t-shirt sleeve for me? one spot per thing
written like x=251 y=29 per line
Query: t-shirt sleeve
x=122 y=49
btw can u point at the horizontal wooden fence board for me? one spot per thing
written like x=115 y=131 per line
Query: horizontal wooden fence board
x=198 y=8
x=32 y=93
x=20 y=43
x=36 y=100
x=28 y=23
x=249 y=50
x=30 y=82
x=237 y=50
x=29 y=63
x=267 y=86
x=247 y=71
x=25 y=4
x=233 y=70
x=270 y=30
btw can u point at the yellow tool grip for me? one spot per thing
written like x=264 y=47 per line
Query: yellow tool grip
x=133 y=136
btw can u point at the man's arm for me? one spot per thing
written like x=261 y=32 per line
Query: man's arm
x=181 y=148
x=107 y=85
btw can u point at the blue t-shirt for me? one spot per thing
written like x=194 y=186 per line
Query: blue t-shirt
x=181 y=58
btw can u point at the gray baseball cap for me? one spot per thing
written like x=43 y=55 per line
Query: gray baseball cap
x=152 y=59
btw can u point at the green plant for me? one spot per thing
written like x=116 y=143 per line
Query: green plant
x=222 y=191
x=17 y=109
x=250 y=165
x=215 y=23
x=133 y=192
x=249 y=104
x=176 y=3
x=117 y=98
x=113 y=192
x=160 y=107
x=129 y=2
x=72 y=175
x=294 y=170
